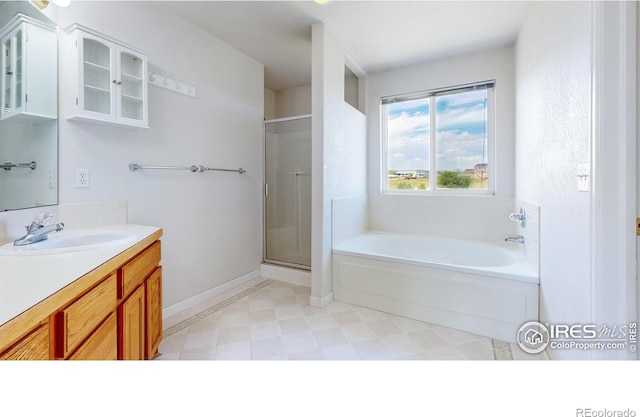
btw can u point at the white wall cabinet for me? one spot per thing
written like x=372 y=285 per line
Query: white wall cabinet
x=29 y=75
x=108 y=79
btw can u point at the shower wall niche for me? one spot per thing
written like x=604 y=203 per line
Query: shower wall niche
x=288 y=191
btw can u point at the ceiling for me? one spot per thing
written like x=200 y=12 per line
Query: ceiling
x=378 y=34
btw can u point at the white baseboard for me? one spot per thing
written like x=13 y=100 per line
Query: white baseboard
x=321 y=302
x=290 y=275
x=199 y=298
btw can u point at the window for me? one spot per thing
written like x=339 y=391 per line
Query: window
x=351 y=87
x=439 y=140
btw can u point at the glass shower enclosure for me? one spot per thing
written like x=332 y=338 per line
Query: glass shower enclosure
x=288 y=191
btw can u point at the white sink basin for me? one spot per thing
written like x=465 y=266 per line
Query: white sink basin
x=70 y=241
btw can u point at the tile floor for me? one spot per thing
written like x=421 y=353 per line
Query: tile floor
x=272 y=320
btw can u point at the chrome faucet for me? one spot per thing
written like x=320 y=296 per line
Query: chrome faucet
x=39 y=230
x=516 y=239
x=520 y=217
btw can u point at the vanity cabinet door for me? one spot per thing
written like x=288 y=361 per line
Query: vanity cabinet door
x=131 y=326
x=34 y=346
x=153 y=293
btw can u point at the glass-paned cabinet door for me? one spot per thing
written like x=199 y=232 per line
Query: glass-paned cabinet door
x=97 y=78
x=12 y=72
x=132 y=85
x=19 y=76
x=7 y=74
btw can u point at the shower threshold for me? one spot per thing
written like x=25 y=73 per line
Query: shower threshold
x=287 y=264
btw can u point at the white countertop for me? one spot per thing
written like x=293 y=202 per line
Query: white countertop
x=27 y=280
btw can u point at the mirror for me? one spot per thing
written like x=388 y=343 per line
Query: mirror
x=28 y=112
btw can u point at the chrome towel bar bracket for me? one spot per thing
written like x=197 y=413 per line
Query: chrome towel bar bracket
x=8 y=165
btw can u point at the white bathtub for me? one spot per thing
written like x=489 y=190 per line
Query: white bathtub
x=477 y=287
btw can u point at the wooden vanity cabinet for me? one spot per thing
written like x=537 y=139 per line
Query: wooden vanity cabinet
x=113 y=312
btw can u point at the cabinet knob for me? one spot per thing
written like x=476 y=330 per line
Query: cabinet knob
x=9 y=72
x=117 y=82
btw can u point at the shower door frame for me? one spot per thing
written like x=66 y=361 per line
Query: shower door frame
x=265 y=193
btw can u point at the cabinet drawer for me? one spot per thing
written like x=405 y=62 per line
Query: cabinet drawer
x=102 y=344
x=134 y=273
x=34 y=346
x=77 y=321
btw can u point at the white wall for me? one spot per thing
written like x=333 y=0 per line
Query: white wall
x=289 y=102
x=294 y=101
x=339 y=153
x=269 y=104
x=613 y=144
x=212 y=221
x=553 y=65
x=481 y=66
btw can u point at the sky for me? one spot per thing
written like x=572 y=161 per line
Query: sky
x=461 y=138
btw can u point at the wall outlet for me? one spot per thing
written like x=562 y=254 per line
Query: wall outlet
x=82 y=178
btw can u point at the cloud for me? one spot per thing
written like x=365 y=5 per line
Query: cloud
x=409 y=125
x=408 y=140
x=461 y=140
x=462 y=111
x=458 y=149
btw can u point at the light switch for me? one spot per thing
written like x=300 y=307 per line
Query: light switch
x=583 y=177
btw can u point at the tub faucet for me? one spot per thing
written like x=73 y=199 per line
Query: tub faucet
x=39 y=230
x=516 y=239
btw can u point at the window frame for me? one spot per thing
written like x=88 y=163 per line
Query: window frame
x=490 y=87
